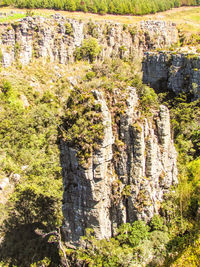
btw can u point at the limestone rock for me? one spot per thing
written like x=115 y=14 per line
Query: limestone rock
x=4 y=182
x=16 y=177
x=177 y=72
x=34 y=37
x=113 y=191
x=86 y=198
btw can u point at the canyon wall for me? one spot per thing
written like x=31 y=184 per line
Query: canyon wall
x=57 y=38
x=173 y=71
x=114 y=188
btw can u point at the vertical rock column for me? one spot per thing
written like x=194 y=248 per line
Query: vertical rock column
x=86 y=198
x=148 y=161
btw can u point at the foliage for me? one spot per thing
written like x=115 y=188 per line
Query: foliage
x=29 y=148
x=89 y=50
x=148 y=97
x=188 y=38
x=157 y=223
x=68 y=29
x=133 y=244
x=180 y=208
x=83 y=128
x=92 y=29
x=102 y=252
x=133 y=234
x=105 y=6
x=185 y=116
x=190 y=256
x=90 y=75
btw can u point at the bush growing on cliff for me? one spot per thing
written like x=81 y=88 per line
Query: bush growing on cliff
x=185 y=121
x=83 y=128
x=89 y=50
x=147 y=96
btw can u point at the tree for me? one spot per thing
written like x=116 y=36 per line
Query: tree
x=70 y=5
x=89 y=50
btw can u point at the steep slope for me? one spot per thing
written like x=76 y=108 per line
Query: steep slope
x=114 y=139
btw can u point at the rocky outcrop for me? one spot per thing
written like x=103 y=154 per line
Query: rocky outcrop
x=120 y=188
x=56 y=39
x=86 y=199
x=4 y=183
x=7 y=185
x=173 y=71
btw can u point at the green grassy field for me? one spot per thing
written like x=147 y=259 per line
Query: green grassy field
x=187 y=17
x=12 y=17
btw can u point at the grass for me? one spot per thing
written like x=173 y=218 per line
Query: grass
x=12 y=18
x=187 y=17
x=41 y=75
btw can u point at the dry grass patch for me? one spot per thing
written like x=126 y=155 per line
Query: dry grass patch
x=188 y=16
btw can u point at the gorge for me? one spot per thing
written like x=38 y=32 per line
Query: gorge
x=109 y=135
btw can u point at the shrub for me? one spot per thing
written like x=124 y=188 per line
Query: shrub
x=90 y=75
x=157 y=223
x=92 y=29
x=89 y=50
x=133 y=234
x=68 y=29
x=83 y=123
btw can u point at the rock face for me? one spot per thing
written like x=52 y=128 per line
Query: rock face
x=86 y=199
x=123 y=188
x=4 y=182
x=56 y=39
x=176 y=72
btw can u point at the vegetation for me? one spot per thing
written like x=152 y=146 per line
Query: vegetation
x=30 y=118
x=180 y=209
x=38 y=110
x=12 y=17
x=89 y=50
x=83 y=127
x=133 y=244
x=106 y=6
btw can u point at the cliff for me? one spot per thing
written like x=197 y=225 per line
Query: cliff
x=134 y=165
x=57 y=38
x=174 y=71
x=116 y=188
